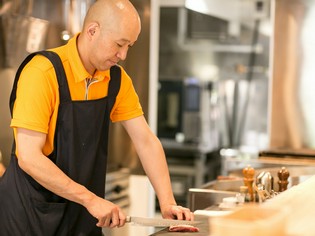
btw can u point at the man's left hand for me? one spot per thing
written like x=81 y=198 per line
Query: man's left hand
x=177 y=212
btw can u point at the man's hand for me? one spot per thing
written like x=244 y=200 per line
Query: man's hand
x=108 y=214
x=177 y=212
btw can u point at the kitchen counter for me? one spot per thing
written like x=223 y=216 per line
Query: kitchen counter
x=203 y=227
x=299 y=201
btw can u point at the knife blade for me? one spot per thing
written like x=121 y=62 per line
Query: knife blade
x=157 y=222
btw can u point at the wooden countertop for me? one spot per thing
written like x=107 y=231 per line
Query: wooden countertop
x=300 y=202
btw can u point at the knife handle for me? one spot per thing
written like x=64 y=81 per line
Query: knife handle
x=128 y=219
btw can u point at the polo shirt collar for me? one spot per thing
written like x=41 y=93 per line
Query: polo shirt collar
x=78 y=69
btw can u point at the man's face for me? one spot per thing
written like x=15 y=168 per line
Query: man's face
x=111 y=46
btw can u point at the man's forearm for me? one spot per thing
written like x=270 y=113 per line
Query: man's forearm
x=32 y=160
x=154 y=163
x=46 y=173
x=152 y=157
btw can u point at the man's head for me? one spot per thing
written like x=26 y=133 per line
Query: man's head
x=110 y=28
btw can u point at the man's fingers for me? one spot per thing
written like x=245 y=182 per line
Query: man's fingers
x=114 y=221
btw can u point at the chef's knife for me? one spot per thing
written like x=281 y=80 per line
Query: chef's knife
x=157 y=222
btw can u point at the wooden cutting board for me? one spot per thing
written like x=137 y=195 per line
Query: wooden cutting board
x=300 y=202
x=291 y=213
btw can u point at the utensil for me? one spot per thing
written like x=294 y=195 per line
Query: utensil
x=157 y=222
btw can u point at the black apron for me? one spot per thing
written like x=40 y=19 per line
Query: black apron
x=80 y=151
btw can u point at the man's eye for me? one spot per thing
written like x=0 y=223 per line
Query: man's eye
x=119 y=45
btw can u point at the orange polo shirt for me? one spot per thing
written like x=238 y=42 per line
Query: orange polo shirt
x=37 y=100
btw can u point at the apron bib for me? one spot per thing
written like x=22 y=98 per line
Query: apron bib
x=80 y=151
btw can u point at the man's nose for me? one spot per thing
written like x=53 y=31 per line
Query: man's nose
x=122 y=53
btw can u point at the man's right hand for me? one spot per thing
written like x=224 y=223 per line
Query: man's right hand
x=108 y=214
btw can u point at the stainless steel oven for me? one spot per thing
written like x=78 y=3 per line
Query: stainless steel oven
x=185 y=111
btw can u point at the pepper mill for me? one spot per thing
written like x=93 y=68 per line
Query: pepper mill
x=248 y=173
x=283 y=175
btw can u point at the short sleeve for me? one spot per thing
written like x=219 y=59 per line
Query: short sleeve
x=33 y=106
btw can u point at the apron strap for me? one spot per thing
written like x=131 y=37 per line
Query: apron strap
x=114 y=85
x=16 y=79
x=59 y=70
x=64 y=92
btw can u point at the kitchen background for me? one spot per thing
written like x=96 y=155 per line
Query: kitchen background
x=192 y=45
x=224 y=78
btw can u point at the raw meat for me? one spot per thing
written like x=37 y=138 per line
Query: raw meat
x=183 y=228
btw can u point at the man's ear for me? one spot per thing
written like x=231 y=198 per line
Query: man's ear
x=92 y=29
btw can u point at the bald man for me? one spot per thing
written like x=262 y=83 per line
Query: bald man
x=54 y=184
